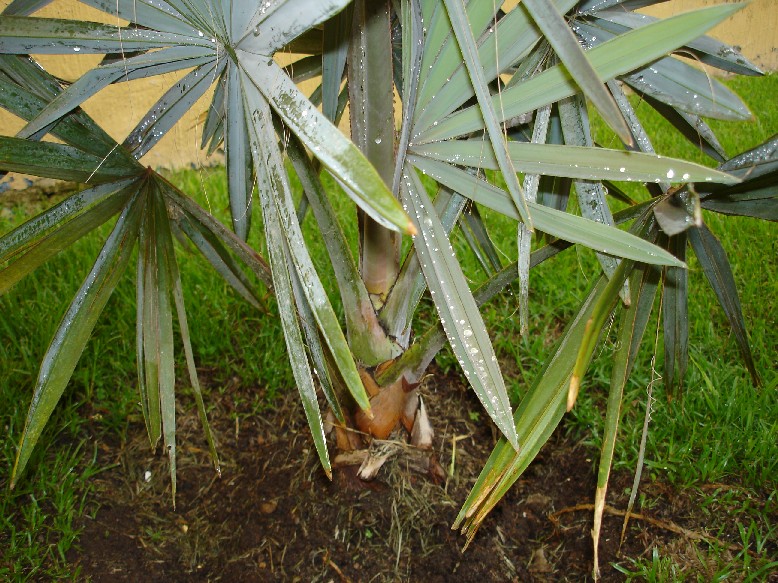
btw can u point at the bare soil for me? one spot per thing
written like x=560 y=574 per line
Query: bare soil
x=274 y=516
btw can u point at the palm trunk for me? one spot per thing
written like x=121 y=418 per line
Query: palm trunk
x=371 y=94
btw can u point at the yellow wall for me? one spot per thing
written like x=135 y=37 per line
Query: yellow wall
x=120 y=107
x=754 y=29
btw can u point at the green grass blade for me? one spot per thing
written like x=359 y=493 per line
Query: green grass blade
x=457 y=308
x=715 y=265
x=75 y=328
x=565 y=44
x=560 y=224
x=338 y=154
x=466 y=42
x=615 y=57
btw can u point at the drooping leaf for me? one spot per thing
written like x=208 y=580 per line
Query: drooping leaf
x=675 y=316
x=238 y=159
x=456 y=307
x=63 y=162
x=361 y=324
x=21 y=35
x=35 y=242
x=537 y=415
x=757 y=195
x=499 y=146
x=600 y=312
x=691 y=126
x=631 y=329
x=76 y=328
x=284 y=281
x=561 y=37
x=278 y=206
x=584 y=163
x=326 y=142
x=205 y=221
x=337 y=31
x=169 y=109
x=217 y=255
x=569 y=227
x=715 y=265
x=141 y=66
x=612 y=58
x=165 y=360
x=178 y=295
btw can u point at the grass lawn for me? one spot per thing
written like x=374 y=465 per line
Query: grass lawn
x=723 y=430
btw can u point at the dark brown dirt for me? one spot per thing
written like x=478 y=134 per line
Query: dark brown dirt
x=273 y=515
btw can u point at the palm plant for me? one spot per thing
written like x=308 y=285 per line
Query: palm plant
x=494 y=113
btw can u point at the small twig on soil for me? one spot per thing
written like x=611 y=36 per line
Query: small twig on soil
x=330 y=563
x=663 y=524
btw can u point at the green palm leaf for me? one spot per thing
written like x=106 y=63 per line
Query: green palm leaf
x=76 y=327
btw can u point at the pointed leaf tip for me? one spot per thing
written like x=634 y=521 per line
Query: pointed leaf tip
x=572 y=393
